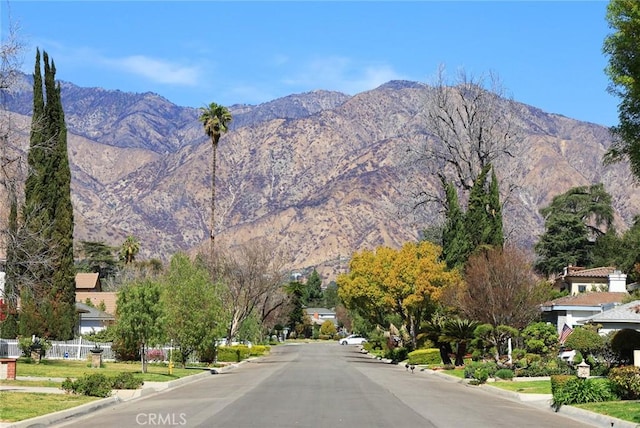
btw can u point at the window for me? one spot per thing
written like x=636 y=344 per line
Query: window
x=582 y=288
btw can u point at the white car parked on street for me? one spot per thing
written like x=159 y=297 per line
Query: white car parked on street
x=353 y=339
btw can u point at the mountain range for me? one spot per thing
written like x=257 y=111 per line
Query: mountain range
x=322 y=174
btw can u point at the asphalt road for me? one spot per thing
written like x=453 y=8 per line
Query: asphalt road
x=323 y=385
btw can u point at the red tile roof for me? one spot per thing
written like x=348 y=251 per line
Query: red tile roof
x=600 y=272
x=589 y=299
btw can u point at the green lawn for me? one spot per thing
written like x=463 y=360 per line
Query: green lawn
x=455 y=372
x=18 y=406
x=626 y=410
x=525 y=386
x=46 y=383
x=76 y=369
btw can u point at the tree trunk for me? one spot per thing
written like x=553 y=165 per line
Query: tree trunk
x=462 y=349
x=445 y=350
x=213 y=196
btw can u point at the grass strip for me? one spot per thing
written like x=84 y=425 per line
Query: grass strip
x=525 y=386
x=76 y=369
x=18 y=406
x=627 y=410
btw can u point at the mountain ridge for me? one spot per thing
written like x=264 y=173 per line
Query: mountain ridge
x=322 y=173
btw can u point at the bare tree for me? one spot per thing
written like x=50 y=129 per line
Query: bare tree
x=471 y=123
x=501 y=288
x=252 y=275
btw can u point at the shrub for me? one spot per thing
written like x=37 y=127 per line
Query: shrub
x=626 y=382
x=505 y=374
x=480 y=375
x=258 y=350
x=489 y=367
x=155 y=355
x=94 y=385
x=126 y=380
x=544 y=368
x=99 y=385
x=397 y=354
x=558 y=382
x=578 y=391
x=425 y=356
x=623 y=344
x=235 y=353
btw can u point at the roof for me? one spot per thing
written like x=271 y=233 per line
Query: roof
x=86 y=280
x=595 y=298
x=319 y=311
x=109 y=298
x=90 y=313
x=599 y=272
x=623 y=313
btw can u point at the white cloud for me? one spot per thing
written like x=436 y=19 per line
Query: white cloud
x=341 y=74
x=157 y=70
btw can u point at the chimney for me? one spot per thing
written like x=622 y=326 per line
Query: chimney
x=617 y=282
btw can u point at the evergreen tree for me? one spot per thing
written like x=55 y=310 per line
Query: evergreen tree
x=48 y=274
x=574 y=222
x=494 y=212
x=477 y=221
x=313 y=289
x=455 y=243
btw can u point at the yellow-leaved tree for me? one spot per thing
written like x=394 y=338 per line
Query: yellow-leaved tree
x=407 y=283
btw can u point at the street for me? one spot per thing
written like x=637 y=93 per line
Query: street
x=323 y=385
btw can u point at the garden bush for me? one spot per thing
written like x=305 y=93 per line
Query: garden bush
x=579 y=391
x=258 y=350
x=625 y=381
x=544 y=368
x=505 y=374
x=397 y=354
x=235 y=353
x=94 y=385
x=558 y=381
x=425 y=356
x=100 y=385
x=471 y=370
x=126 y=380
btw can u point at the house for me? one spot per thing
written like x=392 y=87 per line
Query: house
x=320 y=315
x=92 y=320
x=88 y=282
x=574 y=309
x=620 y=317
x=577 y=279
x=89 y=288
x=106 y=298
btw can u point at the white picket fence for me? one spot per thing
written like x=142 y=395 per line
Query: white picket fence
x=76 y=349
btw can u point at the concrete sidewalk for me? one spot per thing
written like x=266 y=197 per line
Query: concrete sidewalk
x=118 y=396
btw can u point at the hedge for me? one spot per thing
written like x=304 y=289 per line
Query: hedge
x=429 y=356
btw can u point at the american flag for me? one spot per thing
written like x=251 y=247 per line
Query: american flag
x=566 y=331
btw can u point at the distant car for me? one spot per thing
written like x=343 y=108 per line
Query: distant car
x=353 y=339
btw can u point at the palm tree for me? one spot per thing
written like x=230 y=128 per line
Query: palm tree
x=460 y=332
x=130 y=249
x=215 y=119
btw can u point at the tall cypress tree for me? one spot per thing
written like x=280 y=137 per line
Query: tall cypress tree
x=455 y=241
x=494 y=211
x=477 y=221
x=48 y=291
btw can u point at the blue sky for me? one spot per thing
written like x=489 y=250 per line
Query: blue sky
x=547 y=53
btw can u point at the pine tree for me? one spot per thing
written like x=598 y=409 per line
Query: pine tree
x=48 y=274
